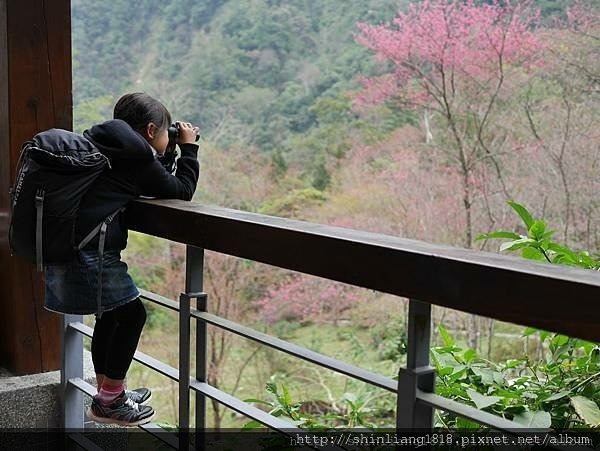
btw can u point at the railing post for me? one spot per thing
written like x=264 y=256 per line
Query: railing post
x=417 y=375
x=72 y=367
x=194 y=283
x=184 y=372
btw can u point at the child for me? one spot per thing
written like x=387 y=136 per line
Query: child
x=134 y=142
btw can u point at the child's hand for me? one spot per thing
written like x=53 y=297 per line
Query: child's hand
x=187 y=133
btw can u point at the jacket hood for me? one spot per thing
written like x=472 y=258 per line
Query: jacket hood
x=118 y=141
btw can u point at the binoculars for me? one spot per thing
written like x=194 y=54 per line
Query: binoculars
x=174 y=132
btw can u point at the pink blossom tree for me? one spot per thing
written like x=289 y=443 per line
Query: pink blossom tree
x=456 y=62
x=306 y=298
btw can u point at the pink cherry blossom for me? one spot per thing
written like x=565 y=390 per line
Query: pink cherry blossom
x=437 y=46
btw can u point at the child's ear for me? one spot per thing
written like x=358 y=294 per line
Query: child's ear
x=150 y=130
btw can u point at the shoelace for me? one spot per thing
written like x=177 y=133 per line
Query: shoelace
x=133 y=404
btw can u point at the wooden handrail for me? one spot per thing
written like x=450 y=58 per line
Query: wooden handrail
x=550 y=297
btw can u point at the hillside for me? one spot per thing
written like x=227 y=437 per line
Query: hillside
x=262 y=73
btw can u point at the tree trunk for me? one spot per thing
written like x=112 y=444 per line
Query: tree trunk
x=468 y=238
x=473 y=329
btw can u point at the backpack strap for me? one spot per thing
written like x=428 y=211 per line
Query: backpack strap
x=102 y=229
x=96 y=229
x=39 y=206
x=100 y=261
x=90 y=236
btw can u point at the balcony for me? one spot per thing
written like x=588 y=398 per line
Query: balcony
x=500 y=287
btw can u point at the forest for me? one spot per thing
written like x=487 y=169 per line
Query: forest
x=452 y=122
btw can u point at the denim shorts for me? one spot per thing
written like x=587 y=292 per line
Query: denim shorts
x=72 y=288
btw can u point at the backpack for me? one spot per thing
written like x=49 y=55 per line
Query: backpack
x=55 y=170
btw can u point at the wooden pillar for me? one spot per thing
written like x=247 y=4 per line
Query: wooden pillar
x=35 y=94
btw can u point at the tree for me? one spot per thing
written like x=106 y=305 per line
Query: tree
x=568 y=86
x=305 y=298
x=456 y=62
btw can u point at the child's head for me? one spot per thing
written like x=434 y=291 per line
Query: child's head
x=147 y=116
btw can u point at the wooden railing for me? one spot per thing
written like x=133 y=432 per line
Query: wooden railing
x=554 y=298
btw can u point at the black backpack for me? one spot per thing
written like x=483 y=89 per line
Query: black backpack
x=55 y=170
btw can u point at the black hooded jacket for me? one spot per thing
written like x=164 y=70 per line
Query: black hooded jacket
x=135 y=170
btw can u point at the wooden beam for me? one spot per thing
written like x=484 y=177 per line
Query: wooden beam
x=35 y=94
x=551 y=297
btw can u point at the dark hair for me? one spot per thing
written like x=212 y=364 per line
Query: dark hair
x=138 y=109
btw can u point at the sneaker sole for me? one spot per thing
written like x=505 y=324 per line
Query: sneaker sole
x=90 y=415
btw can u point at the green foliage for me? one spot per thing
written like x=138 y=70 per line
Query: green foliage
x=560 y=392
x=356 y=411
x=320 y=177
x=390 y=339
x=274 y=75
x=282 y=405
x=538 y=243
x=91 y=111
x=291 y=203
x=156 y=317
x=285 y=329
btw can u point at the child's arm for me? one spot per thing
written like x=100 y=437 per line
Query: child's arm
x=156 y=181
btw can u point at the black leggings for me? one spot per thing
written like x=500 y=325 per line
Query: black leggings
x=116 y=336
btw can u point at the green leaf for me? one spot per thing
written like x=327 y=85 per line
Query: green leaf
x=287 y=398
x=470 y=355
x=529 y=331
x=452 y=350
x=587 y=410
x=499 y=378
x=556 y=396
x=167 y=426
x=532 y=253
x=588 y=346
x=482 y=401
x=458 y=373
x=535 y=420
x=548 y=234
x=446 y=371
x=446 y=338
x=252 y=424
x=563 y=251
x=499 y=234
x=486 y=375
x=463 y=423
x=523 y=213
x=516 y=244
x=537 y=230
x=563 y=259
x=582 y=363
x=508 y=394
x=560 y=340
x=444 y=360
x=586 y=261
